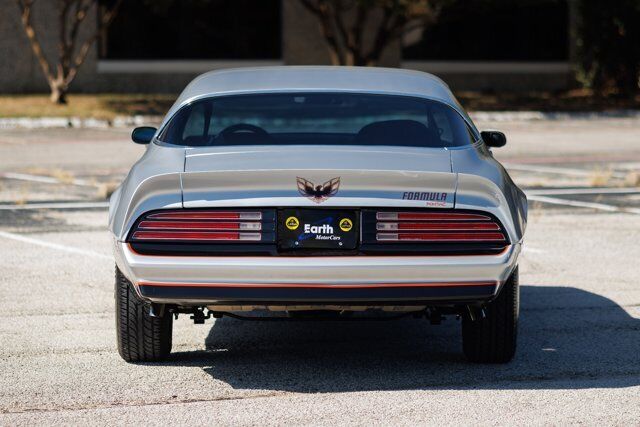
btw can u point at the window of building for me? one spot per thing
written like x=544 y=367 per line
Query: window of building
x=497 y=30
x=194 y=29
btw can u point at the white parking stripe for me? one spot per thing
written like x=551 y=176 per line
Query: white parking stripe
x=64 y=248
x=599 y=206
x=45 y=179
x=556 y=170
x=62 y=205
x=568 y=191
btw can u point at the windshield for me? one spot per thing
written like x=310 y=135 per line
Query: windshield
x=317 y=118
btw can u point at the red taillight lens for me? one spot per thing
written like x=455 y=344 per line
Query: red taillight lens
x=212 y=215
x=191 y=236
x=442 y=237
x=198 y=226
x=453 y=226
x=429 y=216
x=437 y=227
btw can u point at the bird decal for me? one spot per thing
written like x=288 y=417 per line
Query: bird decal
x=318 y=193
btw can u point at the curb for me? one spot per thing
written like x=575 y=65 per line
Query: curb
x=530 y=116
x=133 y=121
x=77 y=122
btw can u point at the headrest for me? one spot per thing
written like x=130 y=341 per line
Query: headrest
x=195 y=141
x=394 y=132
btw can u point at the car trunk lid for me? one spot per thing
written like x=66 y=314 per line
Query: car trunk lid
x=272 y=176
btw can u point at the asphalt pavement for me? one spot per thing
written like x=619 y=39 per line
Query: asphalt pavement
x=578 y=359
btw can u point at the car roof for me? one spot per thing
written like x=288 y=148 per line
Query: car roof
x=375 y=80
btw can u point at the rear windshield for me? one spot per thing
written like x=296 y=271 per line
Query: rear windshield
x=317 y=118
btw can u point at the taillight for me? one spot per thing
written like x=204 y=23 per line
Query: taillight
x=436 y=227
x=430 y=216
x=210 y=215
x=442 y=237
x=199 y=225
x=205 y=226
x=455 y=226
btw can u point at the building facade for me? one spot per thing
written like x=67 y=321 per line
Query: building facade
x=159 y=46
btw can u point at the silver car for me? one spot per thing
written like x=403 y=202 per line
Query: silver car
x=317 y=192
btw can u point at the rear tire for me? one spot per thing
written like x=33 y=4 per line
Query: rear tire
x=141 y=338
x=492 y=339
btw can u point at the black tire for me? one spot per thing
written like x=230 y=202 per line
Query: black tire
x=492 y=339
x=141 y=338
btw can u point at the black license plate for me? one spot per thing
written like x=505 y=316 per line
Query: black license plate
x=317 y=229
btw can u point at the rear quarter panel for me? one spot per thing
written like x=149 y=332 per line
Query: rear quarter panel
x=153 y=183
x=484 y=184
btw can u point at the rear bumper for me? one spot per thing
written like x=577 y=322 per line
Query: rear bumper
x=396 y=279
x=319 y=294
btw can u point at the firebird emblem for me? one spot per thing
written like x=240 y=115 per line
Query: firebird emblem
x=318 y=193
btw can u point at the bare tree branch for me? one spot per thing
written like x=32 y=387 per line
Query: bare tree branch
x=310 y=5
x=71 y=15
x=62 y=36
x=80 y=14
x=383 y=35
x=321 y=10
x=344 y=23
x=359 y=26
x=105 y=21
x=25 y=16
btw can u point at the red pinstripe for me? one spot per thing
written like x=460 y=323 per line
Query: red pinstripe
x=249 y=258
x=320 y=285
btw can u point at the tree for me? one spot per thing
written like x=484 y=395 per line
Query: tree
x=71 y=50
x=607 y=43
x=345 y=23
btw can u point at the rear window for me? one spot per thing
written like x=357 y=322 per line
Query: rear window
x=317 y=118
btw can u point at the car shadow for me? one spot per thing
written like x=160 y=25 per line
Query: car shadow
x=569 y=339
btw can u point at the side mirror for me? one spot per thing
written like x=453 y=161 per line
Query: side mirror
x=493 y=138
x=143 y=135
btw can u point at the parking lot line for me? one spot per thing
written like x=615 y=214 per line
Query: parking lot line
x=56 y=246
x=45 y=179
x=556 y=170
x=61 y=205
x=578 y=158
x=576 y=203
x=527 y=249
x=569 y=191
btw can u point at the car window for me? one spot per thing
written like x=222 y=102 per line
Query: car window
x=443 y=125
x=194 y=126
x=317 y=118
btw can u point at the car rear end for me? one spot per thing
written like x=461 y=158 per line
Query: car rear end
x=239 y=257
x=307 y=202
x=386 y=230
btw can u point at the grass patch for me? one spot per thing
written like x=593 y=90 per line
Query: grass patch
x=100 y=106
x=632 y=179
x=548 y=101
x=600 y=178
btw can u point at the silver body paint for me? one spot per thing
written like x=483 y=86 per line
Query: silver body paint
x=169 y=176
